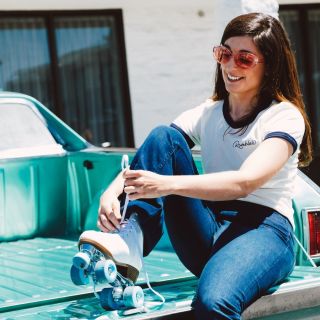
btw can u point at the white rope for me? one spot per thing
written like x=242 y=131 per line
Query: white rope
x=160 y=296
x=305 y=252
x=125 y=166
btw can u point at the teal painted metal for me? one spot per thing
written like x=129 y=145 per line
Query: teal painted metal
x=33 y=197
x=47 y=200
x=53 y=296
x=36 y=272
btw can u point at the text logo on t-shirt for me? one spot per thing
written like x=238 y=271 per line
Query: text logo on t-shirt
x=245 y=143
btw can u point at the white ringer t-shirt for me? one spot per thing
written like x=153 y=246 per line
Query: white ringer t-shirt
x=210 y=126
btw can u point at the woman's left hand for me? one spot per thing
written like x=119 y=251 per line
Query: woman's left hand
x=145 y=184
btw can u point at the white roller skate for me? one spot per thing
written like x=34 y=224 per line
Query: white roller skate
x=113 y=258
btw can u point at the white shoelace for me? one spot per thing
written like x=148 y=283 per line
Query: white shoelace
x=124 y=166
x=305 y=252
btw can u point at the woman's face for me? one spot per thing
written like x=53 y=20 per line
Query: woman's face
x=238 y=81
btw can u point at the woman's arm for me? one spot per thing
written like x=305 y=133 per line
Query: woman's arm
x=117 y=185
x=257 y=169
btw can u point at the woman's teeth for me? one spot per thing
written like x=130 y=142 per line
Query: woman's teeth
x=232 y=78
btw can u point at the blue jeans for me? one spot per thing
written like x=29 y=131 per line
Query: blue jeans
x=237 y=250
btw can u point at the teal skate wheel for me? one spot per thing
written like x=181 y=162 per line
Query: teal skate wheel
x=107 y=300
x=133 y=297
x=105 y=271
x=78 y=276
x=81 y=260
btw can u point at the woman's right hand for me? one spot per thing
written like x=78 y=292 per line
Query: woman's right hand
x=109 y=215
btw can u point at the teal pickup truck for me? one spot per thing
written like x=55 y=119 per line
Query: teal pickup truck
x=50 y=183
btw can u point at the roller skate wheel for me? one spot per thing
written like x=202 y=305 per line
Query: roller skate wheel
x=107 y=300
x=105 y=271
x=81 y=260
x=78 y=276
x=133 y=297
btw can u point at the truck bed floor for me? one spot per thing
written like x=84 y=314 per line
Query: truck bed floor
x=35 y=284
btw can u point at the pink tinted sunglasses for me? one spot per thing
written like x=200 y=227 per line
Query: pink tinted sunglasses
x=244 y=60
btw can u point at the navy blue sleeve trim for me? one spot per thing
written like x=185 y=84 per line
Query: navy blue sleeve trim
x=285 y=136
x=190 y=143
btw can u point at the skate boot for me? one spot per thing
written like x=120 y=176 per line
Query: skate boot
x=123 y=246
x=113 y=258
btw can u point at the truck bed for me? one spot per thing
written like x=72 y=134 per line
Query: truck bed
x=35 y=284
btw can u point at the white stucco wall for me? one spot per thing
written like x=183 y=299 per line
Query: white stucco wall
x=170 y=54
x=169 y=49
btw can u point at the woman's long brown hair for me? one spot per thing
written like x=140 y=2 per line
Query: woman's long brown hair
x=281 y=77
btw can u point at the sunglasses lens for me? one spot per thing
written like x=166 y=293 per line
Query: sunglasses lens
x=245 y=60
x=221 y=54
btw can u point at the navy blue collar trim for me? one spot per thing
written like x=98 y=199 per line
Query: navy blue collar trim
x=247 y=120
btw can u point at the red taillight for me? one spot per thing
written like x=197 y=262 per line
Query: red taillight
x=314 y=232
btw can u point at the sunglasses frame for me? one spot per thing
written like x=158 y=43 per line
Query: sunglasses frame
x=236 y=57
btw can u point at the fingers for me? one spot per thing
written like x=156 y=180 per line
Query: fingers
x=140 y=184
x=104 y=224
x=129 y=174
x=109 y=216
x=135 y=177
x=116 y=210
x=133 y=193
x=135 y=196
x=132 y=183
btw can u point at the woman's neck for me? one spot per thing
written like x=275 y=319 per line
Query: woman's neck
x=240 y=107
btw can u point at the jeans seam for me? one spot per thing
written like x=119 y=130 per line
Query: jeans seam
x=285 y=250
x=284 y=236
x=174 y=149
x=167 y=157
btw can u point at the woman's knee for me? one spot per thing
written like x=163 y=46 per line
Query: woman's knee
x=218 y=294
x=165 y=141
x=214 y=306
x=163 y=133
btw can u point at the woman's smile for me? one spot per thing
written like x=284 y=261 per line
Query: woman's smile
x=233 y=78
